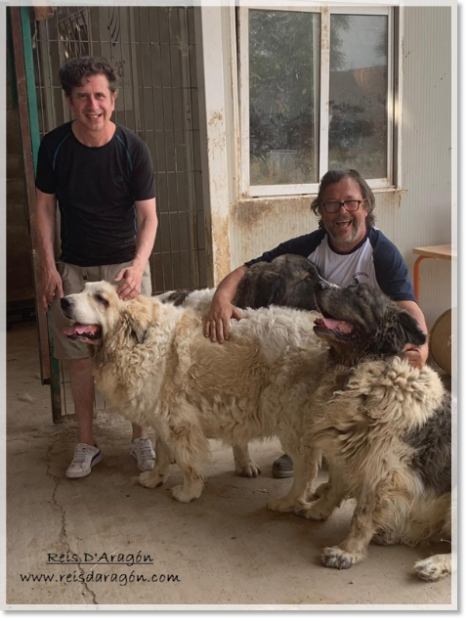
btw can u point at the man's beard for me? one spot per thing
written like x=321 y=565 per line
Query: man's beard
x=352 y=235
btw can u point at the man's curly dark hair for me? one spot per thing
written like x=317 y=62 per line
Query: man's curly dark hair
x=75 y=71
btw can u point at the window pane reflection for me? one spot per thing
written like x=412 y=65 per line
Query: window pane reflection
x=358 y=94
x=284 y=52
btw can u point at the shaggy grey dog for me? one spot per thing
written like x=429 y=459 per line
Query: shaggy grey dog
x=384 y=428
x=289 y=280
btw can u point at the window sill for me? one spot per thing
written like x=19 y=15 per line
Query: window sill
x=309 y=196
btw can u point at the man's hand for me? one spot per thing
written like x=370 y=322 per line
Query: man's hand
x=131 y=286
x=222 y=311
x=416 y=355
x=50 y=283
x=217 y=324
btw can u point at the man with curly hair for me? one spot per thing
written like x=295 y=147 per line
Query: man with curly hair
x=101 y=176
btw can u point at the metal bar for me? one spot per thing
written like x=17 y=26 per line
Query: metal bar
x=128 y=42
x=189 y=158
x=203 y=125
x=142 y=100
x=29 y=177
x=11 y=64
x=134 y=69
x=52 y=114
x=161 y=43
x=40 y=79
x=158 y=163
x=30 y=140
x=172 y=49
x=155 y=162
x=141 y=97
x=35 y=141
x=30 y=83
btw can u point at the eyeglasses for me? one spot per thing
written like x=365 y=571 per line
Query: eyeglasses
x=334 y=206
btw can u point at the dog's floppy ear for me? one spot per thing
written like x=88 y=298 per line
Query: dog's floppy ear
x=138 y=316
x=302 y=296
x=409 y=329
x=245 y=291
x=271 y=289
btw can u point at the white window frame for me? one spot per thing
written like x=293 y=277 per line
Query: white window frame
x=253 y=191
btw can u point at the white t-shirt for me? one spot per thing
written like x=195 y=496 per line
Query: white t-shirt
x=375 y=261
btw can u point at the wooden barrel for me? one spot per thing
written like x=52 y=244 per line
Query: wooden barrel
x=440 y=343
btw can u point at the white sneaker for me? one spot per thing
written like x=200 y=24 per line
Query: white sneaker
x=85 y=457
x=142 y=451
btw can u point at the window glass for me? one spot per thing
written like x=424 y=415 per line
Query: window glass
x=284 y=57
x=358 y=115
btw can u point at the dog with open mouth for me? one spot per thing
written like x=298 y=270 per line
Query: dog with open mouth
x=153 y=365
x=384 y=428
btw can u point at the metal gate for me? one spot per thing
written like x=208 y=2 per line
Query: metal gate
x=153 y=49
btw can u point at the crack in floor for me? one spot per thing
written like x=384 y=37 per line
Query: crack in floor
x=63 y=530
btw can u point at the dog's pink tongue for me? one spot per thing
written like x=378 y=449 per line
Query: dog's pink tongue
x=335 y=324
x=79 y=328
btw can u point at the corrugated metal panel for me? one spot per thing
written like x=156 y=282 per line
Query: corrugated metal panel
x=419 y=215
x=154 y=52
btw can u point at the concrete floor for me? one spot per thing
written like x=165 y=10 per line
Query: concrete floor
x=226 y=548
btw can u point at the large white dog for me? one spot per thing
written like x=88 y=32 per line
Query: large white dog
x=155 y=367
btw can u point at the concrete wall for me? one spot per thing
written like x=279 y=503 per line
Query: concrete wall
x=419 y=212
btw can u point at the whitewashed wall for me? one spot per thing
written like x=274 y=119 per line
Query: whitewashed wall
x=424 y=217
x=419 y=212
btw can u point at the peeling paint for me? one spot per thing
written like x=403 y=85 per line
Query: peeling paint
x=221 y=247
x=216 y=131
x=261 y=224
x=215 y=116
x=325 y=39
x=248 y=213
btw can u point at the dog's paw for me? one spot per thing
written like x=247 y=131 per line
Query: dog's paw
x=433 y=568
x=250 y=469
x=337 y=558
x=315 y=511
x=181 y=495
x=152 y=479
x=282 y=504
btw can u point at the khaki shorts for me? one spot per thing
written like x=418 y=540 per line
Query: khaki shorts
x=74 y=279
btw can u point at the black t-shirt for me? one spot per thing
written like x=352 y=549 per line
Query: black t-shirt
x=96 y=188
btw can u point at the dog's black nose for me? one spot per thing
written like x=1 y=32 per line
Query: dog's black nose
x=65 y=303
